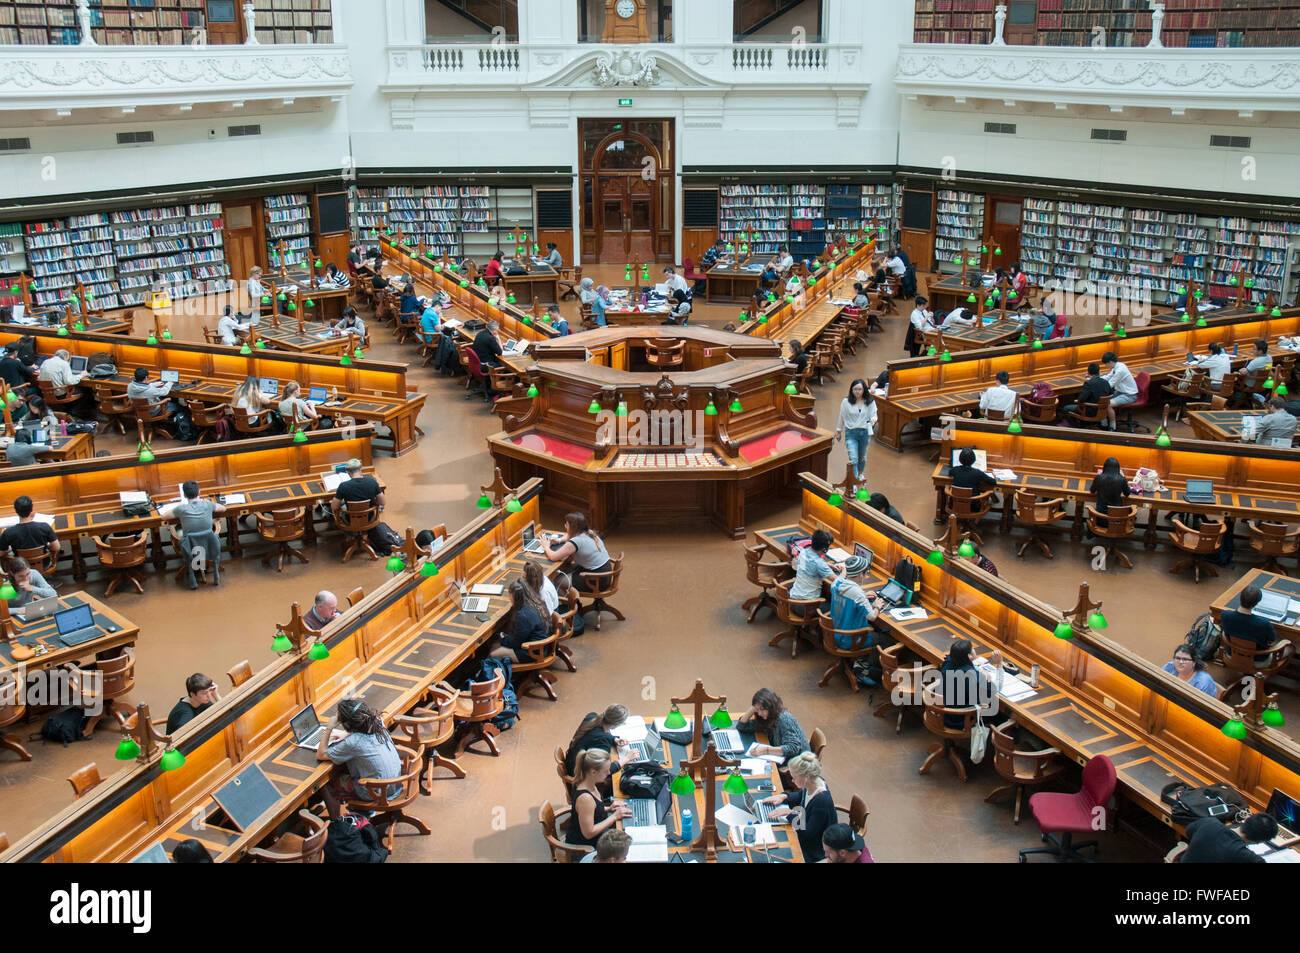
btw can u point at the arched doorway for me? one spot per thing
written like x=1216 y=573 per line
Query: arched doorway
x=627 y=191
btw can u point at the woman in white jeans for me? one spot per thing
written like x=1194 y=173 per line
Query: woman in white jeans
x=856 y=424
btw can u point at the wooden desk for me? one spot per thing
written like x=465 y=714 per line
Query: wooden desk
x=114 y=323
x=373 y=391
x=79 y=446
x=1224 y=426
x=786 y=321
x=995 y=333
x=1096 y=697
x=82 y=496
x=389 y=649
x=327 y=302
x=1055 y=461
x=1230 y=598
x=926 y=387
x=540 y=282
x=114 y=630
x=733 y=282
x=316 y=337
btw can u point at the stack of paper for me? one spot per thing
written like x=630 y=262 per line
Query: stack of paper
x=1004 y=476
x=755 y=766
x=133 y=496
x=633 y=729
x=8 y=521
x=235 y=498
x=837 y=555
x=764 y=836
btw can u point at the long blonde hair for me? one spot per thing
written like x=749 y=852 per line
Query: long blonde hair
x=588 y=763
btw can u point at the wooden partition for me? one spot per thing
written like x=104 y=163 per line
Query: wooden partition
x=390 y=648
x=1097 y=697
x=925 y=387
x=791 y=319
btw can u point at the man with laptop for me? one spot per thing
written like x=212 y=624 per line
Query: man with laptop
x=141 y=388
x=851 y=607
x=30 y=584
x=1243 y=622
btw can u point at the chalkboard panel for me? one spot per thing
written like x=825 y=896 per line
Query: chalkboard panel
x=700 y=208
x=333 y=209
x=917 y=209
x=555 y=208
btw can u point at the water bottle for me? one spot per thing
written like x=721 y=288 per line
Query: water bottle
x=688 y=825
x=63 y=428
x=1234 y=349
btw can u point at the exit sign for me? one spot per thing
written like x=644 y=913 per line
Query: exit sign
x=625 y=102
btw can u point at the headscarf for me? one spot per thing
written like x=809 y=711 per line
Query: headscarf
x=602 y=292
x=586 y=291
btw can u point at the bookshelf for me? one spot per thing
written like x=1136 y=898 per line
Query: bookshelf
x=880 y=205
x=470 y=221
x=843 y=210
x=182 y=243
x=288 y=219
x=1147 y=249
x=293 y=21
x=13 y=260
x=1189 y=249
x=959 y=228
x=478 y=237
x=514 y=213
x=1277 y=257
x=1109 y=254
x=1234 y=248
x=807 y=221
x=62 y=252
x=759 y=211
x=1038 y=239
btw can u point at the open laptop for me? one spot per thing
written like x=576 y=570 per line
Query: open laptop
x=760 y=811
x=269 y=385
x=76 y=625
x=170 y=377
x=860 y=550
x=981 y=458
x=728 y=742
x=1200 y=491
x=38 y=609
x=317 y=395
x=473 y=604
x=895 y=594
x=1272 y=606
x=647 y=812
x=77 y=363
x=1284 y=809
x=306 y=728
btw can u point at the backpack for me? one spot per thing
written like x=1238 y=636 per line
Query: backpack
x=1188 y=804
x=183 y=425
x=384 y=538
x=907 y=575
x=1041 y=391
x=643 y=779
x=64 y=726
x=1203 y=637
x=487 y=671
x=352 y=839
x=98 y=359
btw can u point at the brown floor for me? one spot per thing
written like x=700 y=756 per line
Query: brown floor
x=491 y=815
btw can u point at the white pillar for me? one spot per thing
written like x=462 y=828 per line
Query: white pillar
x=250 y=29
x=1157 y=21
x=1000 y=22
x=83 y=19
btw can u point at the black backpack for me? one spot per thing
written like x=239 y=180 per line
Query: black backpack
x=1203 y=637
x=353 y=840
x=385 y=539
x=64 y=726
x=906 y=574
x=643 y=779
x=1188 y=804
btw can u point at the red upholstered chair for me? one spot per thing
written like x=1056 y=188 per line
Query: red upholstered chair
x=474 y=372
x=1068 y=814
x=689 y=272
x=1143 y=398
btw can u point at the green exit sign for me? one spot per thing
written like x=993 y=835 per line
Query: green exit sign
x=625 y=102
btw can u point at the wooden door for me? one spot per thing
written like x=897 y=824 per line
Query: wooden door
x=242 y=233
x=627 y=219
x=1002 y=228
x=916 y=230
x=224 y=22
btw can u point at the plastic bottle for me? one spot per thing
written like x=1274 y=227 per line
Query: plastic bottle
x=688 y=825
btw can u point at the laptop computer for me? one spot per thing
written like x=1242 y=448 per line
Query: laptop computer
x=895 y=594
x=170 y=377
x=317 y=395
x=647 y=812
x=474 y=604
x=981 y=458
x=728 y=741
x=306 y=728
x=76 y=625
x=269 y=385
x=760 y=811
x=860 y=550
x=38 y=609
x=1200 y=491
x=156 y=854
x=77 y=363
x=1284 y=809
x=1272 y=606
x=529 y=537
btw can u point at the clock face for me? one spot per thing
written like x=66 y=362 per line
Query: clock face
x=626 y=9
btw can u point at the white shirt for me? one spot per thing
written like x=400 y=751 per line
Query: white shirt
x=999 y=397
x=227 y=327
x=785 y=263
x=255 y=292
x=859 y=416
x=1121 y=380
x=549 y=595
x=58 y=372
x=922 y=319
x=959 y=318
x=896 y=266
x=1216 y=365
x=676 y=282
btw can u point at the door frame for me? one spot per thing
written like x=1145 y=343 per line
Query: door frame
x=991 y=201
x=663 y=235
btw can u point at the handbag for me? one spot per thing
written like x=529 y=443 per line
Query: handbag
x=979 y=739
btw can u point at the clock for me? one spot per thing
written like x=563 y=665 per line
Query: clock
x=626 y=22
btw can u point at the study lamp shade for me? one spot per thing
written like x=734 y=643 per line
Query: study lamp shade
x=513 y=505
x=863 y=494
x=790 y=389
x=171 y=760
x=945 y=356
x=1272 y=717
x=1163 y=440
x=735 y=784
x=428 y=568
x=675 y=719
x=484 y=502
x=966 y=549
x=1235 y=728
x=146 y=455
x=1014 y=426
x=395 y=563
x=682 y=785
x=532 y=390
x=595 y=407
x=300 y=436
x=711 y=410
x=1063 y=630
x=63 y=332
x=935 y=558
x=1097 y=621
x=721 y=718
x=281 y=642
x=245 y=350
x=736 y=407
x=7 y=591
x=318 y=652
x=127 y=749
x=152 y=339
x=835 y=499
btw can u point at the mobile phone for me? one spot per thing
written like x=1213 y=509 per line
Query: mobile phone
x=1218 y=810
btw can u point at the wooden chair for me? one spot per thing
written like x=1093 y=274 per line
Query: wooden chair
x=947 y=746
x=856 y=814
x=424 y=729
x=84 y=779
x=799 y=614
x=1021 y=769
x=1270 y=540
x=206 y=417
x=392 y=809
x=1037 y=515
x=280 y=528
x=1246 y=658
x=356 y=595
x=969 y=508
x=602 y=585
x=502 y=380
x=356 y=519
x=12 y=711
x=1225 y=388
x=243 y=425
x=107 y=679
x=1086 y=415
x=210 y=336
x=1117 y=523
x=817 y=742
x=563 y=653
x=536 y=671
x=239 y=673
x=822 y=362
x=765 y=576
x=175 y=537
x=859 y=647
x=1214 y=403
x=565 y=778
x=114 y=407
x=570 y=282
x=665 y=355
x=154 y=417
x=1183 y=389
x=53 y=400
x=902 y=674
x=561 y=852
x=1197 y=544
x=291 y=848
x=474 y=714
x=40 y=559
x=1040 y=411
x=122 y=556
